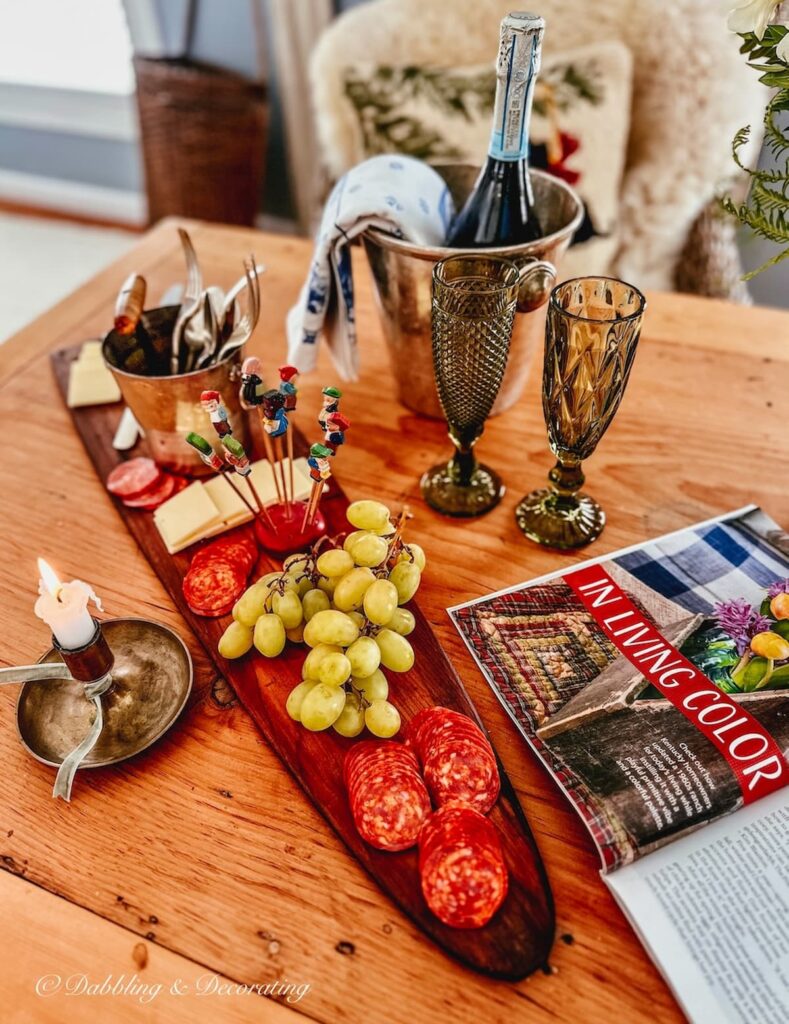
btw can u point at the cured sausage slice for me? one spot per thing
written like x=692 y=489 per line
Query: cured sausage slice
x=133 y=477
x=463 y=874
x=388 y=799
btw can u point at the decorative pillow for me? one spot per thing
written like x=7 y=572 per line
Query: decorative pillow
x=579 y=128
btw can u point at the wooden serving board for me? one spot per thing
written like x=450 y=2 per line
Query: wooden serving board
x=518 y=938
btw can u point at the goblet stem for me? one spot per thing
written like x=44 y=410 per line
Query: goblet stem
x=464 y=461
x=567 y=478
x=462 y=486
x=560 y=516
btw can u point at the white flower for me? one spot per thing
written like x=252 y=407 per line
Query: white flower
x=752 y=16
x=782 y=49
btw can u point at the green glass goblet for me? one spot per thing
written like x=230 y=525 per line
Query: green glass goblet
x=474 y=301
x=591 y=335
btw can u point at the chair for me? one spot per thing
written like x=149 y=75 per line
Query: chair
x=691 y=90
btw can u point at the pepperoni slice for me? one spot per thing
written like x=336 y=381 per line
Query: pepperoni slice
x=238 y=548
x=461 y=865
x=388 y=798
x=458 y=762
x=211 y=613
x=211 y=589
x=462 y=773
x=163 y=489
x=218 y=573
x=133 y=477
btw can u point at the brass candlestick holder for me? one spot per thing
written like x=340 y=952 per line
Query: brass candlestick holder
x=105 y=702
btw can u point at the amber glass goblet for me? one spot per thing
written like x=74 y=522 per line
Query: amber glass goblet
x=591 y=335
x=474 y=300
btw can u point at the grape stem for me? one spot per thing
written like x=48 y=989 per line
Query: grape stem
x=361 y=700
x=396 y=541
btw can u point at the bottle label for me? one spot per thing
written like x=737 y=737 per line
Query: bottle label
x=517 y=66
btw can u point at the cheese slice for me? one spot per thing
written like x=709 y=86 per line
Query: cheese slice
x=302 y=481
x=231 y=507
x=186 y=517
x=205 y=509
x=91 y=353
x=263 y=479
x=91 y=383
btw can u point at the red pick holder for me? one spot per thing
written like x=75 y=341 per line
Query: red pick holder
x=288 y=535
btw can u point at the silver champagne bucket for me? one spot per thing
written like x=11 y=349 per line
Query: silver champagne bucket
x=402 y=273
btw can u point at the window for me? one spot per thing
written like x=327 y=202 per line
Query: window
x=79 y=44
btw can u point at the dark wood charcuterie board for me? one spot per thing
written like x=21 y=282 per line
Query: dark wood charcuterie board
x=518 y=938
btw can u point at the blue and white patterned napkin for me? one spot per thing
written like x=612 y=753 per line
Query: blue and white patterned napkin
x=397 y=194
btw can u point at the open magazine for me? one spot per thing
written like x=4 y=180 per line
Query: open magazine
x=654 y=685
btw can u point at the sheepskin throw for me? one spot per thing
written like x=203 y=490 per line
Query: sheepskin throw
x=691 y=91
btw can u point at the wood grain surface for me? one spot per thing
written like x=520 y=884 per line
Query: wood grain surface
x=205 y=846
x=519 y=938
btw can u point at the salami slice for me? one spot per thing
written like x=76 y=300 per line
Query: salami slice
x=238 y=548
x=212 y=588
x=133 y=477
x=163 y=489
x=458 y=762
x=462 y=773
x=388 y=799
x=463 y=874
x=211 y=613
x=218 y=573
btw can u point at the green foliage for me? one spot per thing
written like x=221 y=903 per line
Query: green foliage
x=390 y=103
x=766 y=210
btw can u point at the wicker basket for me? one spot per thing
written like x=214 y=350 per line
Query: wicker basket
x=203 y=139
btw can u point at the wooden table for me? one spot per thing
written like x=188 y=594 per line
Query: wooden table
x=202 y=857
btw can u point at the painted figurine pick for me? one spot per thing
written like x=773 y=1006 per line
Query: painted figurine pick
x=212 y=459
x=320 y=471
x=236 y=457
x=331 y=403
x=211 y=402
x=275 y=424
x=336 y=426
x=288 y=375
x=252 y=386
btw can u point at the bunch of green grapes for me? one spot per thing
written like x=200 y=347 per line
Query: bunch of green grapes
x=271 y=611
x=345 y=603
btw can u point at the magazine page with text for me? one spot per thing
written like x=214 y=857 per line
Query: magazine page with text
x=712 y=910
x=653 y=682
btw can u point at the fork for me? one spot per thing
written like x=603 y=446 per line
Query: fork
x=191 y=299
x=247 y=323
x=203 y=344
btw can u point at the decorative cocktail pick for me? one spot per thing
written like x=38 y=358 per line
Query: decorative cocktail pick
x=236 y=457
x=252 y=386
x=320 y=471
x=336 y=426
x=212 y=459
x=211 y=402
x=288 y=375
x=275 y=426
x=331 y=404
x=252 y=393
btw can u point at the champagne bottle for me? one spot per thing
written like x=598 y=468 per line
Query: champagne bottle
x=500 y=210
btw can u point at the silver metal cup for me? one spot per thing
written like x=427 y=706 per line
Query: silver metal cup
x=403 y=272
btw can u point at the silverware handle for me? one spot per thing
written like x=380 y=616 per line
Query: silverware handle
x=34 y=673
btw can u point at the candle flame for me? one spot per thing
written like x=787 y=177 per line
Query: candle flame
x=49 y=578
